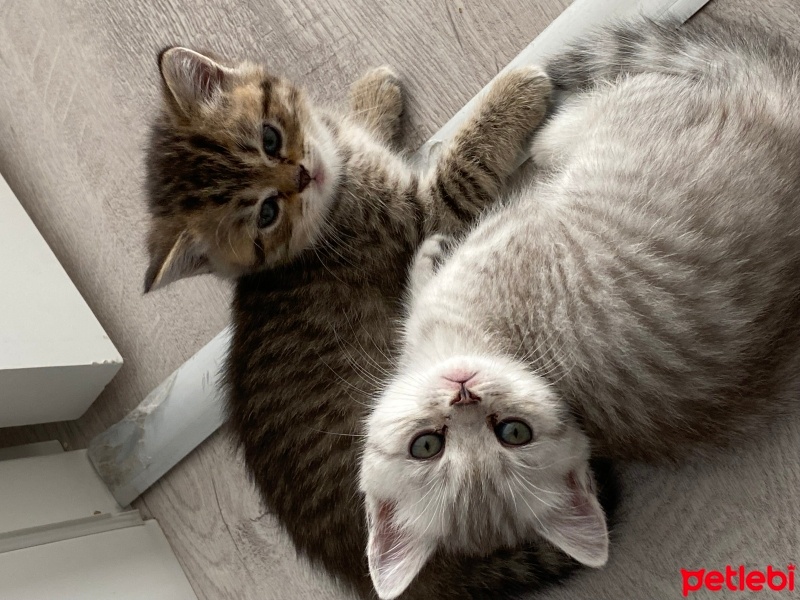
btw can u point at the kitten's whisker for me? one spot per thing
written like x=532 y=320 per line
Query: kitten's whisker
x=230 y=244
x=343 y=380
x=358 y=368
x=531 y=492
x=380 y=378
x=390 y=360
x=513 y=495
x=438 y=508
x=556 y=360
x=533 y=512
x=548 y=465
x=355 y=435
x=329 y=235
x=430 y=487
x=366 y=354
x=530 y=486
x=543 y=342
x=322 y=262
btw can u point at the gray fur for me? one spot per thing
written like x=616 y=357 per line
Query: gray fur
x=643 y=289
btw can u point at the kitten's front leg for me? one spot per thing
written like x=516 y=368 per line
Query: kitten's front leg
x=476 y=164
x=376 y=102
x=430 y=255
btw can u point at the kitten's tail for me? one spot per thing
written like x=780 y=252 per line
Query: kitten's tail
x=704 y=48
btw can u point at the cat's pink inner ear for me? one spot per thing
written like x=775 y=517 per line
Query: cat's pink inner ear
x=395 y=555
x=191 y=77
x=579 y=526
x=184 y=259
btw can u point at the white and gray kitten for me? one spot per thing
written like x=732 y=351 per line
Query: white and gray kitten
x=639 y=300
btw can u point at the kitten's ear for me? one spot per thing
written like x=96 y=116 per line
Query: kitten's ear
x=192 y=78
x=579 y=527
x=184 y=258
x=395 y=555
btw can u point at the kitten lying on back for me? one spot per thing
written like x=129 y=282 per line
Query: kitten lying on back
x=641 y=300
x=317 y=216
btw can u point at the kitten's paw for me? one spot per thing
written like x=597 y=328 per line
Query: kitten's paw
x=381 y=77
x=432 y=253
x=523 y=88
x=513 y=107
x=377 y=101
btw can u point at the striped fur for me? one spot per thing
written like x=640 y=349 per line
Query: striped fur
x=641 y=294
x=314 y=326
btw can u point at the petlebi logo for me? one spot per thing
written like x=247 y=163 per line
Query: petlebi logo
x=739 y=579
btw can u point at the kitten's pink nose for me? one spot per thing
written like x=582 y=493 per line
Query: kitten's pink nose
x=465 y=396
x=461 y=381
x=303 y=178
x=459 y=376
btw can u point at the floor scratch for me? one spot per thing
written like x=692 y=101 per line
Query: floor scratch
x=453 y=25
x=69 y=102
x=50 y=74
x=82 y=133
x=239 y=555
x=36 y=51
x=222 y=515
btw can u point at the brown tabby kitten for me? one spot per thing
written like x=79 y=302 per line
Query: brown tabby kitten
x=318 y=217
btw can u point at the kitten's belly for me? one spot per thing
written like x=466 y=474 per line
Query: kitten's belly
x=660 y=342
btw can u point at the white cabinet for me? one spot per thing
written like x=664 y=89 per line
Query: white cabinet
x=63 y=536
x=55 y=358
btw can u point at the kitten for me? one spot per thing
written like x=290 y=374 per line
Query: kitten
x=640 y=300
x=317 y=217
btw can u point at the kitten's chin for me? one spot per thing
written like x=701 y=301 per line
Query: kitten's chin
x=325 y=178
x=324 y=164
x=326 y=171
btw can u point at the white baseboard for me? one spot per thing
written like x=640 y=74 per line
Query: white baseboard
x=133 y=563
x=62 y=534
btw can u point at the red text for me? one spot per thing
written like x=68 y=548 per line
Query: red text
x=738 y=580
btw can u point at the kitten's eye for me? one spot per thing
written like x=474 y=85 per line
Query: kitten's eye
x=513 y=433
x=427 y=445
x=268 y=212
x=271 y=140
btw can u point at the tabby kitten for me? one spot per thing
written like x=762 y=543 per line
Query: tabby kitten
x=317 y=217
x=640 y=299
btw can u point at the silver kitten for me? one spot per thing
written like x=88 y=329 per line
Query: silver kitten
x=639 y=300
